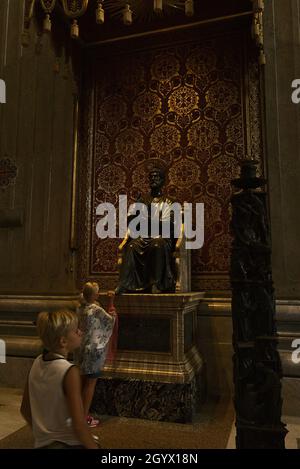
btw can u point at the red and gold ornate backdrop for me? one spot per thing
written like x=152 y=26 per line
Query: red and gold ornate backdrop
x=195 y=106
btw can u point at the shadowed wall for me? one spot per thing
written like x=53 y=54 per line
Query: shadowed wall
x=36 y=136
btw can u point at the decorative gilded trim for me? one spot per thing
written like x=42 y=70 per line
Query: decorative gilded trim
x=85 y=158
x=258 y=28
x=73 y=10
x=28 y=14
x=73 y=241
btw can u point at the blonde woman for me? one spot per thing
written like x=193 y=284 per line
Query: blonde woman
x=97 y=327
x=52 y=401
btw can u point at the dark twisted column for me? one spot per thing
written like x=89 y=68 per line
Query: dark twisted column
x=256 y=362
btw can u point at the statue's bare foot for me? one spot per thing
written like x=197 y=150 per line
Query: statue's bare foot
x=155 y=290
x=119 y=290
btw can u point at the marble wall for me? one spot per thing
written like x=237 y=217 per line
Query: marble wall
x=36 y=139
x=282 y=47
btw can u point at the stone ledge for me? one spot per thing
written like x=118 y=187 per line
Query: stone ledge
x=162 y=369
x=17 y=328
x=153 y=303
x=14 y=304
x=286 y=310
x=22 y=346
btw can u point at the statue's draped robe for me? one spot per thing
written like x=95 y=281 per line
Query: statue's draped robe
x=149 y=261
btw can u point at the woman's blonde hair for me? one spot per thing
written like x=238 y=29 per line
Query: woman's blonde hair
x=51 y=327
x=89 y=289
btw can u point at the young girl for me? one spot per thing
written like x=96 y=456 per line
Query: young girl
x=97 y=327
x=52 y=402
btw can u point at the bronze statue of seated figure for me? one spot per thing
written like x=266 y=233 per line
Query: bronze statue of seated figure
x=153 y=264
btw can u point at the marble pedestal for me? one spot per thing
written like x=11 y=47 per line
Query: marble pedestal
x=158 y=373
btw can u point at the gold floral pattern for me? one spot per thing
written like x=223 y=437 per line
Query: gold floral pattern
x=106 y=251
x=234 y=130
x=111 y=179
x=102 y=144
x=203 y=134
x=255 y=113
x=222 y=95
x=201 y=61
x=223 y=170
x=113 y=109
x=147 y=105
x=165 y=138
x=129 y=142
x=218 y=251
x=165 y=67
x=184 y=173
x=140 y=177
x=183 y=101
x=133 y=76
x=212 y=210
x=129 y=162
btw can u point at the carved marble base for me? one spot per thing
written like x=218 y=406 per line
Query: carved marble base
x=158 y=372
x=149 y=400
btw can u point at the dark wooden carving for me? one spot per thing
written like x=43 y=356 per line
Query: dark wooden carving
x=256 y=362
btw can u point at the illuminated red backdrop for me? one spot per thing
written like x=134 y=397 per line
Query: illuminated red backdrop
x=195 y=106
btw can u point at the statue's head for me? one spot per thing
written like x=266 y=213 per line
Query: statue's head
x=157 y=177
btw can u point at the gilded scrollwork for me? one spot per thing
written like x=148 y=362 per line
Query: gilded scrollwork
x=28 y=14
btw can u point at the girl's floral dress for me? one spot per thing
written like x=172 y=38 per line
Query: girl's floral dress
x=97 y=326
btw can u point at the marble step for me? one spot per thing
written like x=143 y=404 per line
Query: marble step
x=17 y=328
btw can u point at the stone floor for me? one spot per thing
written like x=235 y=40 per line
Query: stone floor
x=290 y=411
x=10 y=417
x=11 y=420
x=210 y=429
x=292 y=439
